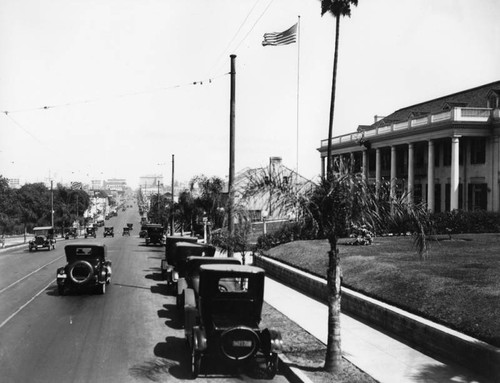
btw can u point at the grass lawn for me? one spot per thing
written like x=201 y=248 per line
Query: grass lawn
x=458 y=284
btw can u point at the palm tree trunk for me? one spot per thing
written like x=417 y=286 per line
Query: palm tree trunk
x=329 y=166
x=333 y=358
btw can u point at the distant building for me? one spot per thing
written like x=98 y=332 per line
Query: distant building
x=149 y=184
x=444 y=152
x=116 y=184
x=14 y=183
x=262 y=207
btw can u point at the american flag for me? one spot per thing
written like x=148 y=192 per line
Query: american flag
x=281 y=38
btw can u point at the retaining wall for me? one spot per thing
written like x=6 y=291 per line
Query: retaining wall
x=431 y=338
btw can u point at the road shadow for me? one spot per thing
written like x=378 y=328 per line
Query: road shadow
x=173 y=316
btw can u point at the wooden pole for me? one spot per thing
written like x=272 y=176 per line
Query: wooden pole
x=230 y=212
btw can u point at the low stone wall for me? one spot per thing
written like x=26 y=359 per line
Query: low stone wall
x=431 y=338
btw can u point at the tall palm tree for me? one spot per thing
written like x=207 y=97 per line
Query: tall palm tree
x=339 y=203
x=338 y=8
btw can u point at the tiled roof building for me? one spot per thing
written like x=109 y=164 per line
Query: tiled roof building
x=444 y=151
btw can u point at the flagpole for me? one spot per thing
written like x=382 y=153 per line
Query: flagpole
x=298 y=93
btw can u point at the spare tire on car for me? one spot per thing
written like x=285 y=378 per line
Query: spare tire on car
x=80 y=272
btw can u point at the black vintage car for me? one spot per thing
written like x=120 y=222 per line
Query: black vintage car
x=109 y=231
x=126 y=231
x=173 y=266
x=224 y=323
x=130 y=226
x=154 y=234
x=90 y=232
x=191 y=278
x=144 y=231
x=70 y=233
x=43 y=238
x=86 y=268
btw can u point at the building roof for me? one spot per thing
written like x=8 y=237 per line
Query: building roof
x=473 y=98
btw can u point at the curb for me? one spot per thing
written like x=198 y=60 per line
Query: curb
x=293 y=374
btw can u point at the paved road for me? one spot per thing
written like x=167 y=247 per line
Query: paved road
x=133 y=333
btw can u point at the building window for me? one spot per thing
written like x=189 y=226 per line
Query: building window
x=477 y=151
x=493 y=101
x=477 y=196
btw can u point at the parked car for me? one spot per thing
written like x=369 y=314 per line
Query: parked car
x=43 y=238
x=225 y=324
x=191 y=278
x=155 y=234
x=86 y=268
x=70 y=233
x=173 y=267
x=109 y=231
x=90 y=232
x=143 y=232
x=126 y=231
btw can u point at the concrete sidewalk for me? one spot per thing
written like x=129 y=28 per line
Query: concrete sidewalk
x=382 y=357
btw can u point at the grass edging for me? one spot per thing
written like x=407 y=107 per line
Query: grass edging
x=432 y=338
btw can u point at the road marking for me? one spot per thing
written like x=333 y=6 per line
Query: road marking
x=26 y=276
x=26 y=304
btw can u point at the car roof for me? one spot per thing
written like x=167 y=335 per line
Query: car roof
x=84 y=244
x=43 y=228
x=229 y=268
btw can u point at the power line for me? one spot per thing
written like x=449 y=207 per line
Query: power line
x=95 y=100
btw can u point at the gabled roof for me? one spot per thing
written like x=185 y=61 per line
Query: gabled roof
x=475 y=98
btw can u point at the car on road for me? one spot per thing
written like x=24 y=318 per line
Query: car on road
x=90 y=232
x=43 y=238
x=126 y=231
x=86 y=268
x=143 y=232
x=191 y=278
x=70 y=233
x=154 y=234
x=109 y=231
x=174 y=266
x=130 y=226
x=225 y=323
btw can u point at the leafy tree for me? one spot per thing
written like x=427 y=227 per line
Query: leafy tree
x=210 y=199
x=338 y=8
x=340 y=202
x=6 y=204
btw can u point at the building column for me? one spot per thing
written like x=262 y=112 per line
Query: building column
x=378 y=170
x=411 y=173
x=393 y=171
x=431 y=204
x=454 y=176
x=495 y=194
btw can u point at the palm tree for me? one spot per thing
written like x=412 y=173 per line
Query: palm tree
x=338 y=204
x=338 y=8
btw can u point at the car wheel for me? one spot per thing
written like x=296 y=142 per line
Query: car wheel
x=272 y=365
x=60 y=289
x=101 y=288
x=195 y=361
x=80 y=272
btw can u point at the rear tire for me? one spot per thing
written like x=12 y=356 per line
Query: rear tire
x=195 y=361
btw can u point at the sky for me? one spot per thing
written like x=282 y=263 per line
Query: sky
x=98 y=89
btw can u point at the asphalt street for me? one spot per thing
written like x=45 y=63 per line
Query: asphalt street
x=133 y=333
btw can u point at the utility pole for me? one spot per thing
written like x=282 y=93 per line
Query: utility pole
x=230 y=213
x=172 y=209
x=158 y=202
x=51 y=203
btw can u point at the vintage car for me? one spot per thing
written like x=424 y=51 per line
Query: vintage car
x=126 y=231
x=155 y=233
x=109 y=231
x=224 y=323
x=90 y=232
x=173 y=267
x=130 y=226
x=70 y=233
x=191 y=278
x=86 y=268
x=143 y=232
x=43 y=238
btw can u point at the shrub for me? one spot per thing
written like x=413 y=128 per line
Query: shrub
x=459 y=221
x=288 y=232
